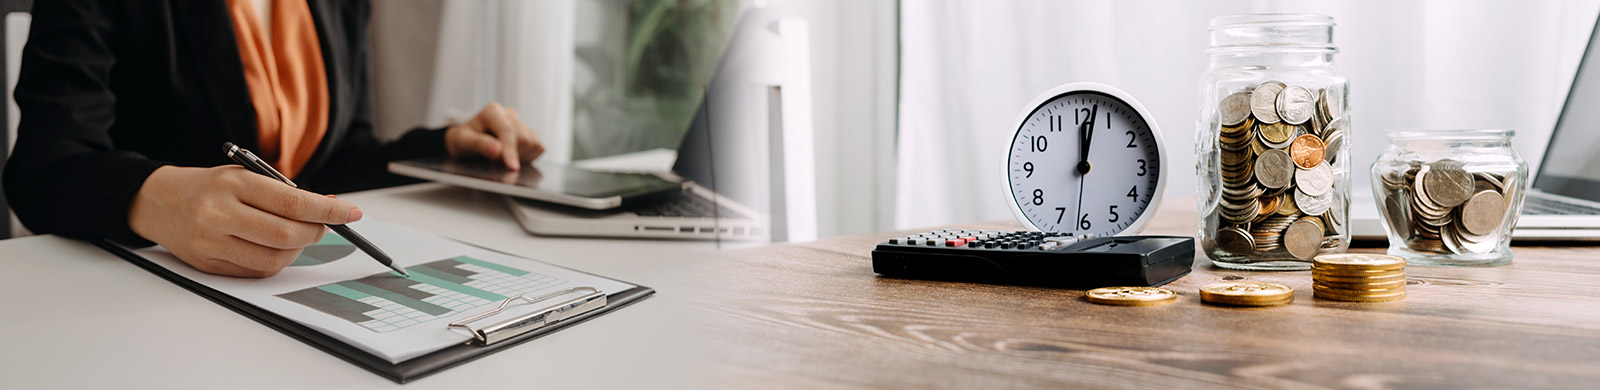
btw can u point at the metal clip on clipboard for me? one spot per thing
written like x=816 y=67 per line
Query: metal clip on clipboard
x=592 y=299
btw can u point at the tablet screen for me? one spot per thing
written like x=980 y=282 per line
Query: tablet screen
x=542 y=178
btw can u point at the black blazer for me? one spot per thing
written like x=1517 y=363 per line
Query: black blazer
x=112 y=89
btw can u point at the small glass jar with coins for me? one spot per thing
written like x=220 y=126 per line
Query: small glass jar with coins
x=1274 y=175
x=1450 y=197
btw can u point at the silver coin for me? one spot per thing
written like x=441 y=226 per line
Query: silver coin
x=1234 y=108
x=1302 y=239
x=1483 y=212
x=1236 y=241
x=1335 y=224
x=1322 y=105
x=1447 y=185
x=1422 y=202
x=1492 y=180
x=1295 y=105
x=1333 y=102
x=1274 y=168
x=1264 y=102
x=1399 y=220
x=1312 y=204
x=1315 y=181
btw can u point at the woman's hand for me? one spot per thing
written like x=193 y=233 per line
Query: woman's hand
x=229 y=221
x=496 y=133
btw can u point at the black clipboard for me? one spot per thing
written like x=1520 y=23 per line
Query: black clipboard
x=402 y=372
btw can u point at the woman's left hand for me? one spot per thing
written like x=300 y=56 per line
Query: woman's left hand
x=496 y=133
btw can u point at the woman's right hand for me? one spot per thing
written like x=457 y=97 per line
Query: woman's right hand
x=229 y=221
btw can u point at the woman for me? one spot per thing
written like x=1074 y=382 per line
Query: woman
x=125 y=106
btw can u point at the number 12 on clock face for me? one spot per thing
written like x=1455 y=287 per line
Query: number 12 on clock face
x=1084 y=162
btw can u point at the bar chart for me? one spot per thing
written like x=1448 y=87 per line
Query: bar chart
x=386 y=302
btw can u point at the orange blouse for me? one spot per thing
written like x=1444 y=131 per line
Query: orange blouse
x=288 y=85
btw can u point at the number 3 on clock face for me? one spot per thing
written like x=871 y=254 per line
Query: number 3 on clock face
x=1086 y=158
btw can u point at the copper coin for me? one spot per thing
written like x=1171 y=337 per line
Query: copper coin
x=1269 y=205
x=1306 y=151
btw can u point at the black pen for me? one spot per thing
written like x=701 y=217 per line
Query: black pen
x=254 y=164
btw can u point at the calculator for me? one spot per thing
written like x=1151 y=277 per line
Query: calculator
x=1035 y=258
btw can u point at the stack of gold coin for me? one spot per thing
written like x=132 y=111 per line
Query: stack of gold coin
x=1440 y=207
x=1131 y=296
x=1246 y=294
x=1358 y=277
x=1277 y=144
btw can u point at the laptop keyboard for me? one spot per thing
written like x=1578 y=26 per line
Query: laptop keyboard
x=1550 y=206
x=686 y=206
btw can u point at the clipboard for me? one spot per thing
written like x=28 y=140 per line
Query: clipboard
x=487 y=338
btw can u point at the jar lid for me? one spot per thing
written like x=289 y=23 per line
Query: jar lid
x=1275 y=32
x=1451 y=134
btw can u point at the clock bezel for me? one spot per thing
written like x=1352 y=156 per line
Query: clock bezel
x=1038 y=102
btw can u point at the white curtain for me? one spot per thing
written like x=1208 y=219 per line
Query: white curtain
x=967 y=67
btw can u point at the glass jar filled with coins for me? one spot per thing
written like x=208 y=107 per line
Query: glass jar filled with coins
x=1450 y=197
x=1274 y=175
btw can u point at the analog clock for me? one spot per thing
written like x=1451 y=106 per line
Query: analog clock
x=1086 y=158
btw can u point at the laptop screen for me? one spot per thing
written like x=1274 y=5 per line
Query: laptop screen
x=1571 y=165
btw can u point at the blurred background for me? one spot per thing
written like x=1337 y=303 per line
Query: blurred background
x=910 y=100
x=871 y=115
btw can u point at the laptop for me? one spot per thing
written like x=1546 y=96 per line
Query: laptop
x=695 y=212
x=1564 y=203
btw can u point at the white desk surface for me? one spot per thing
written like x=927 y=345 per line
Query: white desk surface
x=102 y=322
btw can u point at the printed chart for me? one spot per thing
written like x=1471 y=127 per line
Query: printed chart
x=387 y=302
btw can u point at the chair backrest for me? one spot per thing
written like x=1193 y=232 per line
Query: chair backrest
x=14 y=34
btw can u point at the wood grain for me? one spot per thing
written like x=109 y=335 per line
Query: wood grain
x=814 y=314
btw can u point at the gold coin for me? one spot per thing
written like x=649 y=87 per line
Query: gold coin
x=1287 y=206
x=1359 y=261
x=1397 y=280
x=1236 y=159
x=1306 y=150
x=1360 y=285
x=1131 y=296
x=1344 y=273
x=1365 y=292
x=1277 y=133
x=1246 y=292
x=1368 y=299
x=1235 y=302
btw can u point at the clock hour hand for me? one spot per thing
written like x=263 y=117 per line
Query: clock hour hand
x=1085 y=135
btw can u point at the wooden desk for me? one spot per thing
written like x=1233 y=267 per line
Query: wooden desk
x=815 y=314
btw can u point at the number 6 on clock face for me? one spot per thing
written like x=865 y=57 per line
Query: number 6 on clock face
x=1085 y=158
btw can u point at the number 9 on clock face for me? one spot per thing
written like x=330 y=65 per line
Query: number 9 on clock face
x=1085 y=158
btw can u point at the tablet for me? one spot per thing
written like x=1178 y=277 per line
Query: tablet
x=545 y=182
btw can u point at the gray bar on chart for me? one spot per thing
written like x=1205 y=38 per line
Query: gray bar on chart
x=399 y=285
x=449 y=267
x=333 y=304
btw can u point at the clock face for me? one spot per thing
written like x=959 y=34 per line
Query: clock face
x=1085 y=162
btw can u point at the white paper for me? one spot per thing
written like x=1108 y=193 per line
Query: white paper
x=447 y=284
